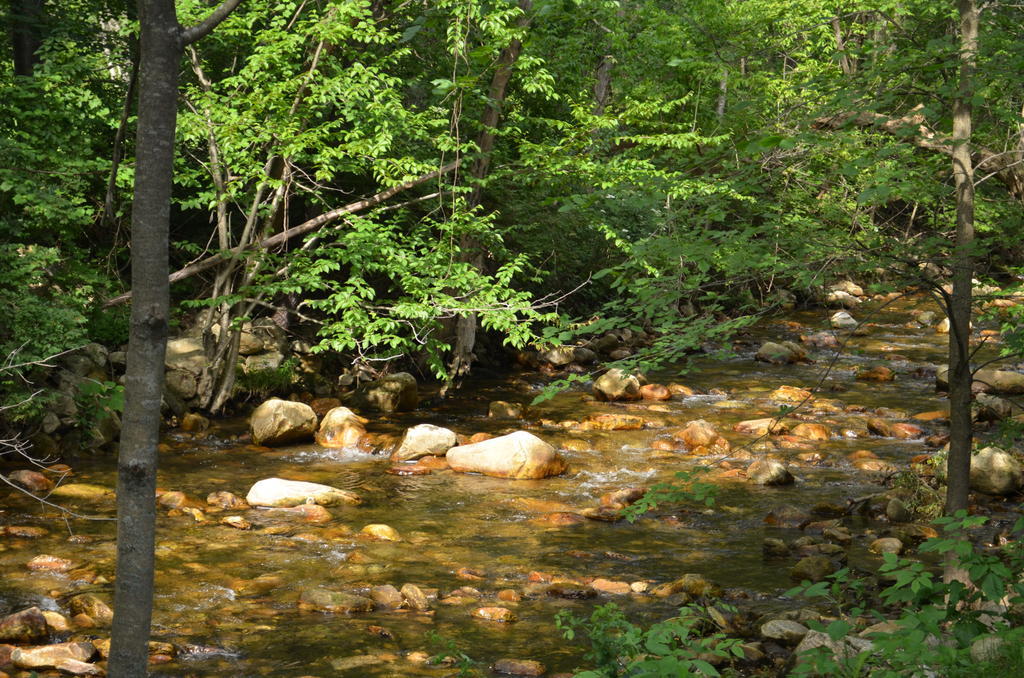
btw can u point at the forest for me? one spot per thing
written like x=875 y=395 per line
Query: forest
x=588 y=338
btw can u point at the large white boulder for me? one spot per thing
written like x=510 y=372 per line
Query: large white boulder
x=281 y=493
x=518 y=455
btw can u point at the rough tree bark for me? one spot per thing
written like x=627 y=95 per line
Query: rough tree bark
x=960 y=376
x=162 y=43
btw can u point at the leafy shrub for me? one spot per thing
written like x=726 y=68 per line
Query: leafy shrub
x=679 y=646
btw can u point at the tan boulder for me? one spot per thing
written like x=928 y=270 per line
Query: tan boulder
x=760 y=427
x=424 y=440
x=394 y=393
x=616 y=384
x=50 y=656
x=278 y=492
x=812 y=431
x=26 y=626
x=277 y=422
x=518 y=455
x=341 y=427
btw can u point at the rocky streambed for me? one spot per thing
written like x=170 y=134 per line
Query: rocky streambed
x=412 y=554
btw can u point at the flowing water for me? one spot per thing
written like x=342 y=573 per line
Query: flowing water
x=229 y=597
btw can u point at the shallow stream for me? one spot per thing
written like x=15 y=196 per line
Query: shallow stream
x=230 y=596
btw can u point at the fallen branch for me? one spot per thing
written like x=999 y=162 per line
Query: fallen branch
x=289 y=233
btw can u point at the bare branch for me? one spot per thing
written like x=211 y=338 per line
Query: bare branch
x=203 y=28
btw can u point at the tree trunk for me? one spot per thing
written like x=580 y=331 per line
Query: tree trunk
x=161 y=51
x=960 y=376
x=471 y=251
x=162 y=42
x=26 y=16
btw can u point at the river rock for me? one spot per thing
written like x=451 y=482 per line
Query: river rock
x=277 y=422
x=692 y=584
x=655 y=392
x=341 y=427
x=382 y=532
x=841 y=648
x=496 y=614
x=519 y=667
x=82 y=492
x=1004 y=382
x=812 y=568
x=47 y=563
x=186 y=355
x=790 y=394
x=700 y=433
x=499 y=409
x=769 y=472
x=812 y=431
x=414 y=597
x=842 y=298
x=226 y=500
x=387 y=596
x=994 y=471
x=394 y=393
x=991 y=408
x=784 y=631
x=843 y=321
x=89 y=604
x=780 y=352
x=897 y=512
x=50 y=656
x=760 y=427
x=518 y=455
x=886 y=545
x=616 y=384
x=879 y=373
x=558 y=356
x=326 y=600
x=33 y=481
x=851 y=288
x=278 y=492
x=422 y=440
x=26 y=626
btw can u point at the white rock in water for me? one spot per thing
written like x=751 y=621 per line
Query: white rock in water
x=278 y=492
x=843 y=320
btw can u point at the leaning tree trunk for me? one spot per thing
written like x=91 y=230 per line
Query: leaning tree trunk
x=162 y=42
x=960 y=375
x=471 y=249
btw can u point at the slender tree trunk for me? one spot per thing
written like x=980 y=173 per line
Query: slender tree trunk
x=471 y=249
x=25 y=34
x=160 y=55
x=162 y=42
x=960 y=375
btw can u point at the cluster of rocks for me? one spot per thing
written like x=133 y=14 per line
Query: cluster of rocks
x=65 y=640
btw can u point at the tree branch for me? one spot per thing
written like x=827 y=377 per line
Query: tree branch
x=301 y=229
x=200 y=30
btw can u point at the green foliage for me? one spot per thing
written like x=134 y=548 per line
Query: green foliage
x=678 y=646
x=938 y=619
x=46 y=312
x=687 y=489
x=97 y=401
x=449 y=654
x=261 y=384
